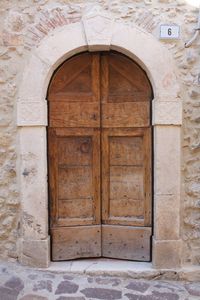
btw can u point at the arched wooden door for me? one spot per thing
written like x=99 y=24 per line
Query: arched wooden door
x=99 y=154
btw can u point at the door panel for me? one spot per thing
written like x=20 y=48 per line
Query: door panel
x=126 y=169
x=77 y=80
x=125 y=93
x=126 y=242
x=123 y=147
x=76 y=173
x=123 y=80
x=99 y=151
x=74 y=93
x=78 y=208
x=75 y=242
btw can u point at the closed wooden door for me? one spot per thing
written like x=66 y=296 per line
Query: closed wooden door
x=99 y=154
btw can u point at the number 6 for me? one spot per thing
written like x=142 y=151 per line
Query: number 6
x=169 y=31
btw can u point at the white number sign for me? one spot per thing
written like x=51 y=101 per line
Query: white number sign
x=169 y=31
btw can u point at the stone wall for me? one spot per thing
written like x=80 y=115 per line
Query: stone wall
x=23 y=24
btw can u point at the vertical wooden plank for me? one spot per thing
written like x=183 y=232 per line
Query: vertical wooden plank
x=53 y=175
x=96 y=76
x=104 y=78
x=97 y=176
x=97 y=139
x=105 y=175
x=148 y=176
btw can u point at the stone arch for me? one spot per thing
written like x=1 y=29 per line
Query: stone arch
x=98 y=32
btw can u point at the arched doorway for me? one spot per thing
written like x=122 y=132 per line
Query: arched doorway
x=99 y=156
x=32 y=119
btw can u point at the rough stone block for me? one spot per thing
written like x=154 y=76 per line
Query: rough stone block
x=167 y=112
x=33 y=180
x=167 y=217
x=35 y=253
x=167 y=156
x=167 y=254
x=98 y=30
x=35 y=80
x=31 y=113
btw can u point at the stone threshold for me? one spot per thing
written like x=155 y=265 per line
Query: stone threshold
x=122 y=268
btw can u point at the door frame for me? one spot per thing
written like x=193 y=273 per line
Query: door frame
x=99 y=32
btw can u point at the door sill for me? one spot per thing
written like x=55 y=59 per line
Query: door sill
x=105 y=266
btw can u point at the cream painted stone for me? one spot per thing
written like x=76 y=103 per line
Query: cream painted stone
x=167 y=113
x=36 y=75
x=167 y=160
x=33 y=181
x=62 y=44
x=167 y=254
x=167 y=213
x=31 y=113
x=35 y=253
x=98 y=30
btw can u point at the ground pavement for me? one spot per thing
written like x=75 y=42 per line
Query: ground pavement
x=20 y=283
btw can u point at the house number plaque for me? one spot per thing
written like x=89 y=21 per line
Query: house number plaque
x=168 y=31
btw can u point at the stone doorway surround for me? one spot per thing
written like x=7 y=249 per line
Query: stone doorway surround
x=99 y=32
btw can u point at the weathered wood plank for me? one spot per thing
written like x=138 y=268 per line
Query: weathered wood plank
x=75 y=242
x=148 y=176
x=134 y=85
x=126 y=150
x=126 y=208
x=53 y=175
x=126 y=182
x=126 y=242
x=76 y=208
x=77 y=176
x=63 y=114
x=76 y=80
x=135 y=114
x=75 y=151
x=125 y=168
x=75 y=182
